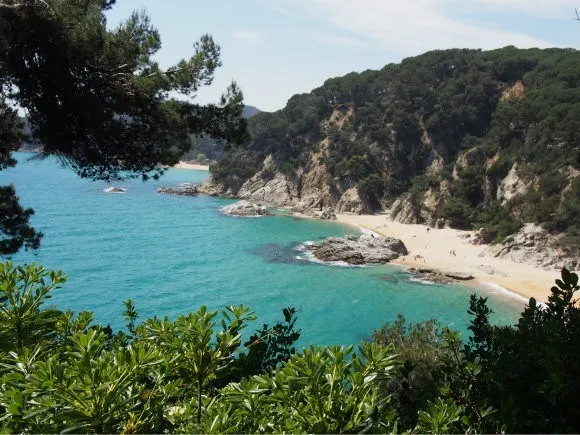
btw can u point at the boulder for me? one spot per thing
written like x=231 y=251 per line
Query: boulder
x=438 y=277
x=246 y=208
x=212 y=187
x=351 y=202
x=364 y=249
x=185 y=189
x=404 y=211
x=115 y=190
x=535 y=246
x=326 y=214
x=459 y=276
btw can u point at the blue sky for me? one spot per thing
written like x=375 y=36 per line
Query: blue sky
x=276 y=48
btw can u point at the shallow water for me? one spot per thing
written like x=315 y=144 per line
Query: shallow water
x=171 y=254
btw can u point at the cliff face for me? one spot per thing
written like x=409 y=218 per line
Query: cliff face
x=465 y=138
x=307 y=189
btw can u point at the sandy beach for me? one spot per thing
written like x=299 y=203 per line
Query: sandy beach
x=434 y=246
x=186 y=165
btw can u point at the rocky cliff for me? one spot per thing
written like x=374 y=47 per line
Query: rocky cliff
x=465 y=138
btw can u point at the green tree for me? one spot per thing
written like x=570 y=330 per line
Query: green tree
x=530 y=373
x=23 y=290
x=96 y=99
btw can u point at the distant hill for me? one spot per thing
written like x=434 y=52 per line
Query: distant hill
x=249 y=111
x=467 y=138
x=210 y=148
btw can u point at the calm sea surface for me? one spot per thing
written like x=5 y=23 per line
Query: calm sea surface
x=171 y=254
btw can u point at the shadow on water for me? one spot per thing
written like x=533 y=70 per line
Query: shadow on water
x=387 y=277
x=281 y=254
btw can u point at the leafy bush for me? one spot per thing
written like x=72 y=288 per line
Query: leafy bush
x=497 y=223
x=458 y=212
x=530 y=373
x=420 y=352
x=61 y=373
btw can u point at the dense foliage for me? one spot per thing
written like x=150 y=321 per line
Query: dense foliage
x=61 y=372
x=454 y=122
x=96 y=98
x=212 y=148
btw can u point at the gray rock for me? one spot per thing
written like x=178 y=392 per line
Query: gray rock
x=459 y=276
x=364 y=249
x=404 y=211
x=535 y=246
x=326 y=214
x=438 y=277
x=185 y=190
x=246 y=208
x=212 y=187
x=115 y=190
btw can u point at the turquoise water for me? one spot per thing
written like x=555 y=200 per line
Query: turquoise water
x=171 y=254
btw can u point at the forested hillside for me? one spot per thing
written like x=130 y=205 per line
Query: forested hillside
x=468 y=138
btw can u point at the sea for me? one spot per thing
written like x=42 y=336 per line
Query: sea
x=173 y=254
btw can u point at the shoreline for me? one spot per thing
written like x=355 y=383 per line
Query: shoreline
x=433 y=247
x=196 y=166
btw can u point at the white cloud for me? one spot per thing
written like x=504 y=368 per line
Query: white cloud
x=413 y=26
x=250 y=38
x=560 y=9
x=344 y=41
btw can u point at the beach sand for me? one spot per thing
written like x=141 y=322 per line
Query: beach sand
x=185 y=165
x=434 y=246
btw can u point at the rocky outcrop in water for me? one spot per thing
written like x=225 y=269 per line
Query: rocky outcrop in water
x=364 y=249
x=115 y=190
x=439 y=277
x=246 y=208
x=185 y=190
x=212 y=188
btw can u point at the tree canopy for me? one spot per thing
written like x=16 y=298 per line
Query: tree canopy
x=203 y=373
x=96 y=98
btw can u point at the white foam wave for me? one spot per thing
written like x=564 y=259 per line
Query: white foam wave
x=422 y=281
x=369 y=232
x=498 y=289
x=309 y=256
x=115 y=190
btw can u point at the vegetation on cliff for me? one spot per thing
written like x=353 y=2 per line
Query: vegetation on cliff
x=202 y=373
x=492 y=136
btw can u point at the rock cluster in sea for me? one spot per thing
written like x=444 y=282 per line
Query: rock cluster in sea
x=438 y=276
x=364 y=249
x=246 y=208
x=185 y=189
x=115 y=190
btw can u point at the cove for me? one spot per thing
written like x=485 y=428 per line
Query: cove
x=171 y=254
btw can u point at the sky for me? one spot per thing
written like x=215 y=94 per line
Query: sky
x=274 y=49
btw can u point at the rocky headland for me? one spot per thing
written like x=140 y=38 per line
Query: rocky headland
x=359 y=250
x=186 y=189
